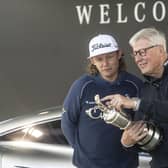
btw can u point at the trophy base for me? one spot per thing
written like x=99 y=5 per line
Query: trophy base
x=152 y=139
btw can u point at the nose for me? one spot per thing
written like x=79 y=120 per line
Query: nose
x=138 y=58
x=105 y=62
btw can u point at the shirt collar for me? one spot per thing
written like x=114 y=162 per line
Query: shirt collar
x=121 y=77
x=153 y=80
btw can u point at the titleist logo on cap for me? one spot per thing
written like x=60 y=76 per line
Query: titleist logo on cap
x=100 y=45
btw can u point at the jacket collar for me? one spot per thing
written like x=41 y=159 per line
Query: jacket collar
x=121 y=77
x=156 y=81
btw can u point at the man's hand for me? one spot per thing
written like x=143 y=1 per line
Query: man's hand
x=134 y=133
x=118 y=102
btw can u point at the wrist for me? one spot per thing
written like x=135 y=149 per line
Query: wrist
x=127 y=146
x=136 y=103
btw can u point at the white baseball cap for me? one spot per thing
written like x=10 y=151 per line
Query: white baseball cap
x=102 y=44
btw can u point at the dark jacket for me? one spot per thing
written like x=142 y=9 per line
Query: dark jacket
x=154 y=108
x=97 y=144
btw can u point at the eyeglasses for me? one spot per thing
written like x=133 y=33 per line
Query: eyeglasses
x=142 y=52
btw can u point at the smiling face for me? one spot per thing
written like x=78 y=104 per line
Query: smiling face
x=148 y=58
x=107 y=65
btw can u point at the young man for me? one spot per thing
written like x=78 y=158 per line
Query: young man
x=150 y=55
x=95 y=143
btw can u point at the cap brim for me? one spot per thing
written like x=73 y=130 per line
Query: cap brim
x=91 y=56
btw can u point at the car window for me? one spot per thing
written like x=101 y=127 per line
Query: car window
x=49 y=133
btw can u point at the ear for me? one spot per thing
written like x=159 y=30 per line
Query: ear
x=161 y=49
x=163 y=53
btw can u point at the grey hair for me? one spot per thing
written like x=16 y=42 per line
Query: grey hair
x=152 y=35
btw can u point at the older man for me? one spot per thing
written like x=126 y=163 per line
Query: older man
x=150 y=55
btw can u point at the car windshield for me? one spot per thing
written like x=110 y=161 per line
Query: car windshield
x=49 y=133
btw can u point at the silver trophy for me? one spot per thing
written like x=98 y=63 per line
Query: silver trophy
x=121 y=120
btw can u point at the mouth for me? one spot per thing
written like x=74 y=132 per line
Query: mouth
x=142 y=65
x=107 y=69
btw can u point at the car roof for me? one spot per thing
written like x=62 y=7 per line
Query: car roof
x=24 y=121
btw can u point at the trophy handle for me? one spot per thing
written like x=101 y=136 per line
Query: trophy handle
x=90 y=112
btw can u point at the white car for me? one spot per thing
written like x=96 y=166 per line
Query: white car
x=36 y=141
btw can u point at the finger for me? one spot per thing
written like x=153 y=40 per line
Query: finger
x=136 y=126
x=108 y=103
x=139 y=131
x=118 y=106
x=111 y=103
x=109 y=97
x=141 y=136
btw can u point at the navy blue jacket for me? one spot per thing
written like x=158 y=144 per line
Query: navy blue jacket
x=154 y=108
x=97 y=144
